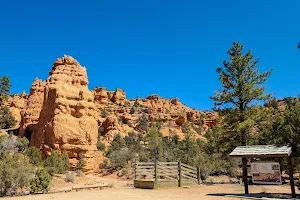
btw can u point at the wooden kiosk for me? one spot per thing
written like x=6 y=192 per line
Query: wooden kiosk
x=264 y=151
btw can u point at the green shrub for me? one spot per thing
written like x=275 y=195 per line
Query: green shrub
x=119 y=159
x=15 y=173
x=100 y=146
x=7 y=120
x=82 y=163
x=41 y=181
x=34 y=155
x=65 y=163
x=104 y=113
x=57 y=165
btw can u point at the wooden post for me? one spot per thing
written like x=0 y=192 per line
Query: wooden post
x=135 y=166
x=291 y=174
x=155 y=171
x=245 y=175
x=199 y=175
x=180 y=174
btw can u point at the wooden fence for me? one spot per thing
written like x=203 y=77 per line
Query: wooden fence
x=156 y=173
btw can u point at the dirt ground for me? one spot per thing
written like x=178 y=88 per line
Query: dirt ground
x=123 y=190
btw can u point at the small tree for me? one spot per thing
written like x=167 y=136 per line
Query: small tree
x=188 y=137
x=34 y=155
x=154 y=138
x=65 y=163
x=143 y=122
x=41 y=181
x=15 y=173
x=7 y=120
x=4 y=88
x=81 y=163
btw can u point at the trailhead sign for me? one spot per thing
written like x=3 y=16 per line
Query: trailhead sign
x=266 y=173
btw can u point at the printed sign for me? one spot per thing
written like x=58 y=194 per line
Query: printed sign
x=266 y=173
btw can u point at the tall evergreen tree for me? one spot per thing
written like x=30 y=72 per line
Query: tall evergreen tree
x=4 y=88
x=242 y=85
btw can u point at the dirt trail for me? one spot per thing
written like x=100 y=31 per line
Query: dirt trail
x=202 y=192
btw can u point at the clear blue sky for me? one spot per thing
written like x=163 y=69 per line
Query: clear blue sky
x=171 y=48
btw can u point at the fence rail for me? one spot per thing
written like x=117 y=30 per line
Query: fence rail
x=166 y=171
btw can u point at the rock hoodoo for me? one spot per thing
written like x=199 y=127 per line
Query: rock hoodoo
x=68 y=119
x=31 y=112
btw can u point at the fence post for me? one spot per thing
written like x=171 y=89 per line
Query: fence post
x=180 y=174
x=135 y=166
x=155 y=171
x=199 y=175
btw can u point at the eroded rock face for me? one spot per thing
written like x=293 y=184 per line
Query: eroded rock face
x=68 y=119
x=31 y=112
x=100 y=95
x=118 y=97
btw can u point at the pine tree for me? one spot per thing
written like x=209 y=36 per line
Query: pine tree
x=242 y=85
x=4 y=88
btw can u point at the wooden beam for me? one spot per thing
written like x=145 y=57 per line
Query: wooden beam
x=292 y=183
x=245 y=175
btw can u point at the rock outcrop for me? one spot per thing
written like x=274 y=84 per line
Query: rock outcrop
x=68 y=119
x=31 y=112
x=119 y=97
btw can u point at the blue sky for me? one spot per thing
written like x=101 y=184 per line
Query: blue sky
x=171 y=48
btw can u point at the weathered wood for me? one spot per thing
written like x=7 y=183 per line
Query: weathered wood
x=189 y=170
x=291 y=174
x=168 y=171
x=167 y=177
x=156 y=172
x=189 y=174
x=199 y=175
x=167 y=167
x=180 y=174
x=89 y=186
x=240 y=166
x=245 y=174
x=135 y=166
x=167 y=163
x=145 y=167
x=188 y=166
x=145 y=163
x=188 y=177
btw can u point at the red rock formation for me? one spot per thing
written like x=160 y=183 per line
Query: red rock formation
x=68 y=118
x=100 y=95
x=31 y=113
x=119 y=97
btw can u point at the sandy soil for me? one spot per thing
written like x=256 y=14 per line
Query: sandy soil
x=123 y=192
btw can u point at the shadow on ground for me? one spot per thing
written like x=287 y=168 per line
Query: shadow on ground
x=255 y=196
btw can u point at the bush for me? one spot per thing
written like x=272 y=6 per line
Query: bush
x=70 y=177
x=41 y=181
x=65 y=163
x=57 y=165
x=7 y=120
x=34 y=156
x=15 y=173
x=119 y=159
x=79 y=173
x=104 y=113
x=100 y=146
x=82 y=163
